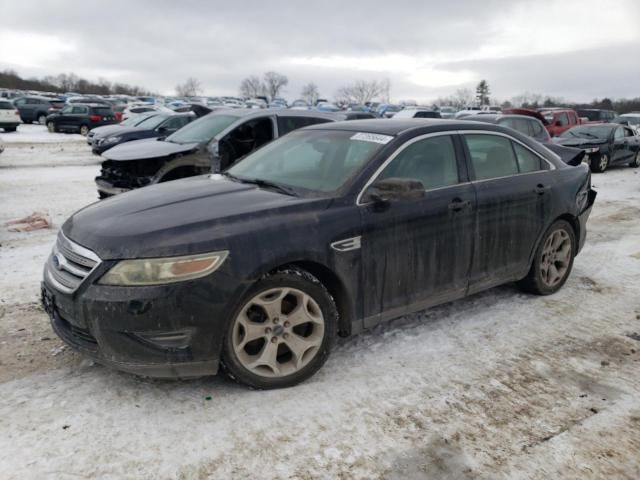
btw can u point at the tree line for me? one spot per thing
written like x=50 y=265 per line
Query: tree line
x=68 y=82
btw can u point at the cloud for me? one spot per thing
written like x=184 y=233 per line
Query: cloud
x=425 y=48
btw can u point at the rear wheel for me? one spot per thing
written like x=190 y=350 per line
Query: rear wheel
x=635 y=163
x=599 y=164
x=10 y=129
x=84 y=130
x=51 y=127
x=283 y=332
x=553 y=260
x=42 y=119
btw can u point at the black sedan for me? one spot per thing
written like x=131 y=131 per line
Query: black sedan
x=327 y=231
x=604 y=144
x=155 y=126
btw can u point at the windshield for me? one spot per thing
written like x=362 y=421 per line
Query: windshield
x=152 y=122
x=312 y=160
x=601 y=132
x=135 y=120
x=203 y=129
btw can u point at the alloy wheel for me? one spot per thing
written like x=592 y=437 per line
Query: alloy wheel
x=42 y=119
x=278 y=332
x=556 y=257
x=51 y=127
x=84 y=130
x=604 y=162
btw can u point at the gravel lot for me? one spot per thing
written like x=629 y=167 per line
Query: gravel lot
x=500 y=385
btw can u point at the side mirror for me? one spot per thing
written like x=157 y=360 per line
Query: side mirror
x=394 y=189
x=163 y=130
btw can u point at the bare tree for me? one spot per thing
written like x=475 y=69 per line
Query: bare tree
x=274 y=82
x=251 y=87
x=360 y=92
x=190 y=88
x=310 y=93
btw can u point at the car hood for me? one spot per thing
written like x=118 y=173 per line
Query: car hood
x=578 y=142
x=147 y=148
x=105 y=130
x=121 y=131
x=193 y=215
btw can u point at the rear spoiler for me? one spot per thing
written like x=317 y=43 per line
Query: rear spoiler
x=570 y=156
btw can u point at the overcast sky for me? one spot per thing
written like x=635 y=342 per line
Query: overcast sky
x=578 y=49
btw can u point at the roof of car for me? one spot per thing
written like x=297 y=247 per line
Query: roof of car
x=252 y=112
x=395 y=127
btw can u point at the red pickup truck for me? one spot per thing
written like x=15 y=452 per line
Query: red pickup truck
x=555 y=120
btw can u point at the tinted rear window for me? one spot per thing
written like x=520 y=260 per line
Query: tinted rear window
x=102 y=111
x=6 y=105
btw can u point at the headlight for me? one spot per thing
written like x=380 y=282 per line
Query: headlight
x=592 y=150
x=158 y=271
x=112 y=139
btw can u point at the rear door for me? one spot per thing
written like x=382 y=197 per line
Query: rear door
x=623 y=144
x=514 y=187
x=417 y=253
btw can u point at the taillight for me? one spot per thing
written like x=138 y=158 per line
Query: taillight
x=94 y=118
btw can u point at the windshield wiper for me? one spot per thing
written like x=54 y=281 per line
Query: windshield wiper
x=263 y=183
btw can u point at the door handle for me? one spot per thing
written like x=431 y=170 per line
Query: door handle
x=541 y=189
x=458 y=205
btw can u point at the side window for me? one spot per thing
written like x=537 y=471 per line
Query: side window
x=288 y=124
x=628 y=132
x=431 y=161
x=537 y=130
x=527 y=160
x=619 y=133
x=79 y=110
x=175 y=123
x=491 y=156
x=19 y=102
x=563 y=118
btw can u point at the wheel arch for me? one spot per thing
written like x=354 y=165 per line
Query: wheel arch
x=570 y=219
x=333 y=283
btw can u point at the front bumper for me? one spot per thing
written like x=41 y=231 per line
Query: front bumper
x=167 y=331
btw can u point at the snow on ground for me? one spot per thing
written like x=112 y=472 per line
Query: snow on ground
x=499 y=385
x=34 y=133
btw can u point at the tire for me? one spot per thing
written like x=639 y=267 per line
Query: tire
x=271 y=309
x=10 y=129
x=52 y=127
x=635 y=163
x=601 y=164
x=42 y=119
x=84 y=130
x=541 y=280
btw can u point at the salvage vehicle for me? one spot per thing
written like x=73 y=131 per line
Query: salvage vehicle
x=35 y=109
x=604 y=144
x=211 y=143
x=156 y=126
x=80 y=118
x=9 y=116
x=326 y=231
x=555 y=120
x=631 y=120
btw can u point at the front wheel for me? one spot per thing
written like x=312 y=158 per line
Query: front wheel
x=635 y=163
x=553 y=260
x=599 y=165
x=51 y=127
x=42 y=119
x=84 y=130
x=282 y=333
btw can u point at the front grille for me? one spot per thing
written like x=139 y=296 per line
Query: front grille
x=74 y=335
x=69 y=264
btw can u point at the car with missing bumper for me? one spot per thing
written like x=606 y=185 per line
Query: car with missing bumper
x=604 y=144
x=326 y=231
x=213 y=142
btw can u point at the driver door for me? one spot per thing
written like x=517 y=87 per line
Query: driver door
x=417 y=252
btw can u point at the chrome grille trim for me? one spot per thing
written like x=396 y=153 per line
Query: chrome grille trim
x=69 y=264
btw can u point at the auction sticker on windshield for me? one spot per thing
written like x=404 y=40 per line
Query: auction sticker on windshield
x=372 y=137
